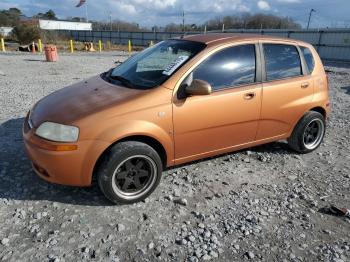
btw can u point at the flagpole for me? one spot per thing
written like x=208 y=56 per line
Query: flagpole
x=86 y=13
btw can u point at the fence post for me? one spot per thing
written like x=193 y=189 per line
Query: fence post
x=40 y=46
x=129 y=47
x=319 y=41
x=3 y=45
x=71 y=46
x=100 y=46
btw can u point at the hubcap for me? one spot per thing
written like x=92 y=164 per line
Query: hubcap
x=313 y=134
x=134 y=176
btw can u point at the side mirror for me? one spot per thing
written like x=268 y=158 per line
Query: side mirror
x=199 y=88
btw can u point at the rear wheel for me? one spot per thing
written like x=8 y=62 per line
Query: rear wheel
x=129 y=172
x=308 y=133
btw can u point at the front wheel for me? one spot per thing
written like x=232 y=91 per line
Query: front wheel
x=129 y=172
x=308 y=133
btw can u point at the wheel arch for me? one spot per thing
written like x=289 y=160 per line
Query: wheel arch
x=320 y=110
x=148 y=140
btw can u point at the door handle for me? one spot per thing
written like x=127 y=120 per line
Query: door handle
x=305 y=85
x=249 y=96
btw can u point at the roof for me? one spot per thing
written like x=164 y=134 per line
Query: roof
x=223 y=37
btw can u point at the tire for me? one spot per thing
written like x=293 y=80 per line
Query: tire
x=122 y=173
x=308 y=133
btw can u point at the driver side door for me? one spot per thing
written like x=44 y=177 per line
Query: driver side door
x=206 y=125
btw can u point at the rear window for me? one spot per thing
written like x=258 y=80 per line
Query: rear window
x=281 y=61
x=309 y=58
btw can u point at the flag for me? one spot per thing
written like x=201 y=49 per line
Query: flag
x=81 y=2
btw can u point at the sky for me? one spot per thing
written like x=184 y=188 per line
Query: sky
x=329 y=13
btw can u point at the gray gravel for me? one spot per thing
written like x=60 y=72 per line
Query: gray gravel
x=261 y=204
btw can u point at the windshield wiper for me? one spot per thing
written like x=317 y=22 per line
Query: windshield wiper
x=122 y=80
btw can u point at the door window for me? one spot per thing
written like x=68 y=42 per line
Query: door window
x=281 y=61
x=230 y=67
x=309 y=59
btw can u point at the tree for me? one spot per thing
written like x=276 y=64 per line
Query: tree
x=117 y=25
x=248 y=21
x=26 y=33
x=49 y=15
x=10 y=17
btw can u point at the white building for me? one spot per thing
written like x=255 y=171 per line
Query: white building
x=5 y=31
x=64 y=25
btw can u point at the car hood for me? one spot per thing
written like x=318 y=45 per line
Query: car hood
x=74 y=102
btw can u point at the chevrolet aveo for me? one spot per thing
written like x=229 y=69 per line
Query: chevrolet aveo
x=178 y=101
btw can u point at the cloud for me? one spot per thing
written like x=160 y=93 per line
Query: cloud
x=263 y=5
x=161 y=12
x=289 y=1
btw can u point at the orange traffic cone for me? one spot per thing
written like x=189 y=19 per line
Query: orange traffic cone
x=33 y=47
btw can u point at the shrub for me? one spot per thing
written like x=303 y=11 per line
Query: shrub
x=25 y=34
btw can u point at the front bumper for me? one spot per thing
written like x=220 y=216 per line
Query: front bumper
x=74 y=168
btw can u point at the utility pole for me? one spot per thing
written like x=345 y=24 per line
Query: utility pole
x=183 y=21
x=110 y=20
x=308 y=23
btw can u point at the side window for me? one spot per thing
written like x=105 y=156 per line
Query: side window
x=309 y=58
x=230 y=67
x=281 y=61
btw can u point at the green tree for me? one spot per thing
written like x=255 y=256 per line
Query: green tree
x=49 y=15
x=10 y=17
x=26 y=33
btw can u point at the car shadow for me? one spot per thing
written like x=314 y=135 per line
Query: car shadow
x=35 y=60
x=347 y=89
x=19 y=182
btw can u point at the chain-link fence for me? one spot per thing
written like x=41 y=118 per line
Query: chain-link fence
x=332 y=44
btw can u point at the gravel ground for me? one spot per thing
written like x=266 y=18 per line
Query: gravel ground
x=262 y=204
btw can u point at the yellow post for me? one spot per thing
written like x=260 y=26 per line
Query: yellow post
x=71 y=46
x=151 y=43
x=3 y=45
x=100 y=45
x=129 y=47
x=40 y=45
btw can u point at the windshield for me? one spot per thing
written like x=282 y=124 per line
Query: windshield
x=154 y=65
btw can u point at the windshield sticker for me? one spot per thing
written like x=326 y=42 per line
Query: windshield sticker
x=175 y=65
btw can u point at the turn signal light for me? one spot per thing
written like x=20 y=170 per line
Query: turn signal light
x=58 y=148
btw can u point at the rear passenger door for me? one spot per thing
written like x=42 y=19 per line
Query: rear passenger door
x=287 y=89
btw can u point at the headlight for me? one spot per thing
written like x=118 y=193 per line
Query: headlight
x=57 y=132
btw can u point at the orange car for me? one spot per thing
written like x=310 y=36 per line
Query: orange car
x=178 y=101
